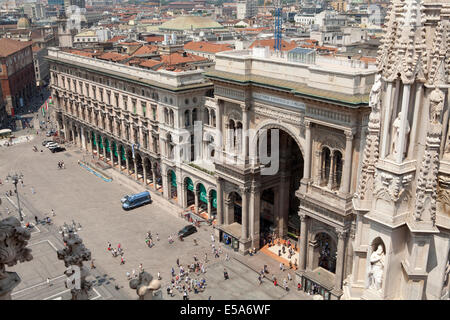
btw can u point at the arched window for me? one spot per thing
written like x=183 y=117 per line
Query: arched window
x=172 y=118
x=194 y=115
x=213 y=117
x=166 y=115
x=338 y=168
x=207 y=116
x=187 y=116
x=326 y=162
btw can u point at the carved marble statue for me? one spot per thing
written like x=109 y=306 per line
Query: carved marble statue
x=73 y=255
x=376 y=269
x=145 y=285
x=396 y=133
x=13 y=242
x=374 y=97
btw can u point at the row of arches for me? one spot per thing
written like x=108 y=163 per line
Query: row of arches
x=196 y=196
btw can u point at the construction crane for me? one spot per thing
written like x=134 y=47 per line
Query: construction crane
x=278 y=24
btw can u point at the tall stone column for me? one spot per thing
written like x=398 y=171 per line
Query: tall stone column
x=135 y=169
x=13 y=241
x=196 y=201
x=83 y=138
x=254 y=215
x=73 y=255
x=119 y=158
x=144 y=173
x=219 y=218
x=302 y=245
x=244 y=133
x=209 y=205
x=387 y=120
x=307 y=167
x=104 y=149
x=318 y=155
x=346 y=181
x=401 y=144
x=244 y=231
x=98 y=146
x=127 y=163
x=332 y=171
x=340 y=260
x=154 y=177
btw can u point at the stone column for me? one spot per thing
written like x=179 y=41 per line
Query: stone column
x=135 y=168
x=244 y=133
x=331 y=173
x=319 y=162
x=401 y=144
x=283 y=206
x=83 y=138
x=127 y=162
x=104 y=149
x=387 y=120
x=254 y=215
x=302 y=243
x=244 y=218
x=154 y=177
x=307 y=167
x=340 y=260
x=347 y=173
x=119 y=158
x=209 y=205
x=196 y=192
x=98 y=146
x=14 y=239
x=219 y=218
x=144 y=172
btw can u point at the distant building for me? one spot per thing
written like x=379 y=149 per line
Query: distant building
x=246 y=9
x=17 y=75
x=35 y=11
x=78 y=3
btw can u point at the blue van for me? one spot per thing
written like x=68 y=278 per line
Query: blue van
x=136 y=200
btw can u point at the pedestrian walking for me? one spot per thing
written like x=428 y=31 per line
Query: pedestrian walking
x=227 y=257
x=173 y=272
x=225 y=274
x=259 y=279
x=206 y=257
x=53 y=213
x=281 y=266
x=185 y=295
x=128 y=275
x=32 y=190
x=92 y=264
x=48 y=282
x=157 y=237
x=141 y=268
x=285 y=285
x=159 y=276
x=133 y=273
x=36 y=219
x=212 y=238
x=289 y=277
x=122 y=260
x=178 y=262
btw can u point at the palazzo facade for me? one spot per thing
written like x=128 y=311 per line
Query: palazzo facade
x=319 y=107
x=131 y=118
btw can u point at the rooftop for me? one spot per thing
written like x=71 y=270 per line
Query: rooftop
x=190 y=23
x=204 y=46
x=9 y=46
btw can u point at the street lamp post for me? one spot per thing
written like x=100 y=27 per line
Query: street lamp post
x=15 y=179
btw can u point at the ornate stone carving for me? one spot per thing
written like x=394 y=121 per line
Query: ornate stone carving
x=73 y=254
x=392 y=188
x=443 y=193
x=426 y=193
x=273 y=113
x=145 y=285
x=13 y=241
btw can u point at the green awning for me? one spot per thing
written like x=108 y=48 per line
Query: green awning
x=190 y=185
x=94 y=141
x=115 y=149
x=108 y=149
x=203 y=195
x=100 y=142
x=122 y=153
x=173 y=178
x=214 y=198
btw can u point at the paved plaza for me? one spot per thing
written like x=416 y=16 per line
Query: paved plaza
x=78 y=195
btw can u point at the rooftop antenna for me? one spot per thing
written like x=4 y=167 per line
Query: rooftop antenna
x=278 y=25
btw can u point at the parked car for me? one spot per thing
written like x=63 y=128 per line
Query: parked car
x=45 y=142
x=57 y=149
x=51 y=144
x=187 y=230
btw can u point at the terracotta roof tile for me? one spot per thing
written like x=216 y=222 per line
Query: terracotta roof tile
x=204 y=46
x=285 y=46
x=145 y=49
x=9 y=46
x=113 y=56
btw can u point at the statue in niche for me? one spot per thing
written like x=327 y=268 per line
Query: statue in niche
x=396 y=133
x=376 y=269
